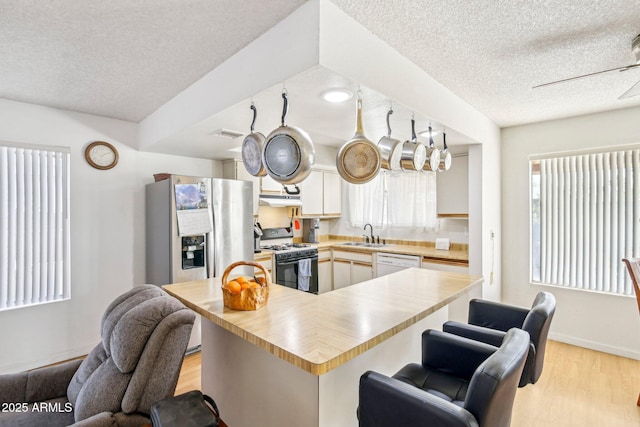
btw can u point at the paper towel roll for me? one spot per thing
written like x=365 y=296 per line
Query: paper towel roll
x=442 y=243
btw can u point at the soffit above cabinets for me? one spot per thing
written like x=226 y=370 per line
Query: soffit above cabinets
x=315 y=48
x=327 y=123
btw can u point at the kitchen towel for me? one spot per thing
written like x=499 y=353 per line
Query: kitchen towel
x=304 y=274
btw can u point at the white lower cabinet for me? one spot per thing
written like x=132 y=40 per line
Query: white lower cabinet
x=341 y=273
x=361 y=272
x=325 y=272
x=351 y=267
x=266 y=261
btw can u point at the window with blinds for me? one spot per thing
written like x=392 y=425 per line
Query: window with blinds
x=585 y=217
x=34 y=225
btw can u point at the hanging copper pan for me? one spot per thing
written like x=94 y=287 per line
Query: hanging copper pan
x=288 y=152
x=445 y=155
x=414 y=154
x=252 y=149
x=358 y=160
x=433 y=155
x=390 y=149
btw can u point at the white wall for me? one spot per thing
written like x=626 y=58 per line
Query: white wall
x=597 y=321
x=107 y=231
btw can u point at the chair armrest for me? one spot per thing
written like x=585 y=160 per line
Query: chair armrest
x=38 y=385
x=387 y=402
x=496 y=315
x=493 y=337
x=455 y=355
x=477 y=333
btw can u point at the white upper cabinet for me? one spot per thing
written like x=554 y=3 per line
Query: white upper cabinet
x=270 y=185
x=332 y=190
x=321 y=194
x=453 y=188
x=311 y=194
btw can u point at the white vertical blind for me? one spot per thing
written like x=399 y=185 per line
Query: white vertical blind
x=589 y=219
x=34 y=225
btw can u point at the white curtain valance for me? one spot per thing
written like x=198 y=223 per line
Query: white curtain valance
x=406 y=199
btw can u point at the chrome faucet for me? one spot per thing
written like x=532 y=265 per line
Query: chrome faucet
x=371 y=228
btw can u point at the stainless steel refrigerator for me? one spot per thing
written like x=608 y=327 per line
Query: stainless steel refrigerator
x=195 y=228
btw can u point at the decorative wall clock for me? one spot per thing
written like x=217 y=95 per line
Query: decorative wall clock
x=101 y=155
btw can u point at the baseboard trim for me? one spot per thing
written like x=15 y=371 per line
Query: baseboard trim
x=618 y=351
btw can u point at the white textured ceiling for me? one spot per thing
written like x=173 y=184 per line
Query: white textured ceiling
x=491 y=52
x=126 y=58
x=122 y=58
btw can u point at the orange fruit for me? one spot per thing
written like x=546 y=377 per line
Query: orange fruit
x=254 y=285
x=244 y=285
x=241 y=279
x=234 y=287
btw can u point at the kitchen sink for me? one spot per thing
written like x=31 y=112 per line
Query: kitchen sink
x=365 y=245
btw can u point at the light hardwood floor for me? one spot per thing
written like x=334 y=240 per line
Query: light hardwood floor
x=578 y=388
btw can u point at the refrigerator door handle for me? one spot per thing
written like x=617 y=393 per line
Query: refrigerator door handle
x=211 y=271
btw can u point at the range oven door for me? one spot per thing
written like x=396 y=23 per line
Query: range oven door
x=287 y=274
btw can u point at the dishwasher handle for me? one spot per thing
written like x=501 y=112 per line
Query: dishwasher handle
x=399 y=260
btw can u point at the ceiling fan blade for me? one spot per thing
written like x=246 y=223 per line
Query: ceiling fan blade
x=625 y=68
x=633 y=91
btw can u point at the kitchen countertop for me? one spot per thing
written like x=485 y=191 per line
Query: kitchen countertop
x=454 y=256
x=422 y=251
x=264 y=253
x=318 y=333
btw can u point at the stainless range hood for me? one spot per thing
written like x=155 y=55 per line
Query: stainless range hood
x=280 y=200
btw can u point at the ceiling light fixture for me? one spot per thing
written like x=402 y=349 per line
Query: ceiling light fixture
x=336 y=95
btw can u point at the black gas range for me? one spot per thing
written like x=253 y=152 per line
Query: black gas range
x=288 y=247
x=296 y=264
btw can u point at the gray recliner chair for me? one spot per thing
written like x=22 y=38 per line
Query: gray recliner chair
x=145 y=333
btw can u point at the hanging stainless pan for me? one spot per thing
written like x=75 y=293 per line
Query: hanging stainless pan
x=445 y=155
x=358 y=160
x=390 y=149
x=252 y=149
x=288 y=152
x=414 y=154
x=433 y=155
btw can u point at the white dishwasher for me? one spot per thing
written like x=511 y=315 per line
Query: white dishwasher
x=390 y=263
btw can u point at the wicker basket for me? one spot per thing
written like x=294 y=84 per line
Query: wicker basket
x=250 y=298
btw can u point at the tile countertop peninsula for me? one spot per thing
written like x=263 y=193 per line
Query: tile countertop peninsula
x=317 y=346
x=317 y=333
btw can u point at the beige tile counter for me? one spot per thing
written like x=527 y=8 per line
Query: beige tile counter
x=422 y=251
x=317 y=333
x=297 y=361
